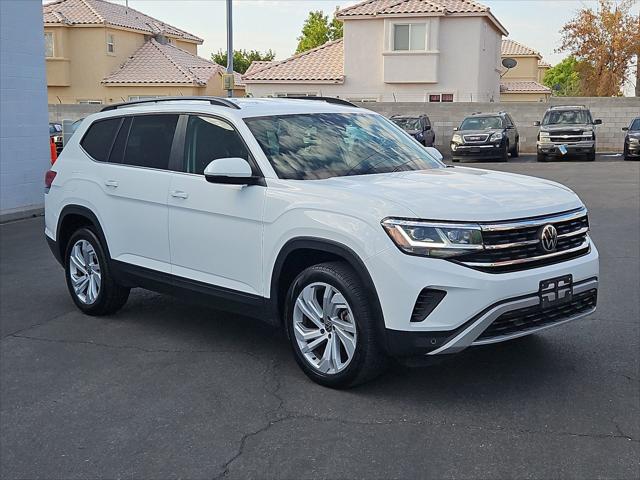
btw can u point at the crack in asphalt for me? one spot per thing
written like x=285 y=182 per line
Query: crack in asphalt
x=272 y=383
x=13 y=334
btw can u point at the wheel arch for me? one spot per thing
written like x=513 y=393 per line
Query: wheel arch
x=294 y=257
x=71 y=218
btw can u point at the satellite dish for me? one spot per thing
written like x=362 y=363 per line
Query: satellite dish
x=509 y=62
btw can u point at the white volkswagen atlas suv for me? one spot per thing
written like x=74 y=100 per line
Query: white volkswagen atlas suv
x=321 y=218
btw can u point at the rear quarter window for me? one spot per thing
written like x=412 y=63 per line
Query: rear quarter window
x=99 y=138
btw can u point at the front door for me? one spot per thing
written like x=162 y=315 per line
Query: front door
x=215 y=231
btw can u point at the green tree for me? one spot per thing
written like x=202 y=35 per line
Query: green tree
x=242 y=58
x=318 y=30
x=564 y=78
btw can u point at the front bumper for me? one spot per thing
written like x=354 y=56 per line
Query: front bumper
x=473 y=298
x=548 y=148
x=477 y=151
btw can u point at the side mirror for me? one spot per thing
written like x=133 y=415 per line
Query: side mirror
x=625 y=129
x=427 y=128
x=597 y=122
x=434 y=152
x=536 y=123
x=231 y=171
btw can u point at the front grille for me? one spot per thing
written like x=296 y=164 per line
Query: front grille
x=535 y=317
x=480 y=138
x=569 y=136
x=516 y=246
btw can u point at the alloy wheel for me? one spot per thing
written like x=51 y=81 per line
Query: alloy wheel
x=84 y=271
x=324 y=328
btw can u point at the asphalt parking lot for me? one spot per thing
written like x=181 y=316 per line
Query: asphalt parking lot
x=166 y=389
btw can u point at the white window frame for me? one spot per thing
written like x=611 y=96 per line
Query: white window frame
x=111 y=44
x=89 y=102
x=135 y=98
x=410 y=25
x=53 y=44
x=292 y=94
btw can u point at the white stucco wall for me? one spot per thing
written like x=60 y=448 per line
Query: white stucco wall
x=24 y=132
x=462 y=57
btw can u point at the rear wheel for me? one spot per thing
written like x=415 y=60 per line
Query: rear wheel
x=88 y=275
x=330 y=324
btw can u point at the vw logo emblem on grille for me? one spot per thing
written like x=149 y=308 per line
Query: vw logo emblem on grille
x=548 y=238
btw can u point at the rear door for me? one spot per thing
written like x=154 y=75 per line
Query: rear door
x=215 y=230
x=135 y=184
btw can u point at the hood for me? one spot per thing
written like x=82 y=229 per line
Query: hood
x=479 y=132
x=464 y=194
x=577 y=127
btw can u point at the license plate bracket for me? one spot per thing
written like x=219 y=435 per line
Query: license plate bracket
x=556 y=291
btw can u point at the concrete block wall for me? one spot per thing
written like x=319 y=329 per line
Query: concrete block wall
x=24 y=133
x=615 y=113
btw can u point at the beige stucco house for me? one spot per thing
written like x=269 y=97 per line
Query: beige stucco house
x=524 y=82
x=102 y=52
x=396 y=50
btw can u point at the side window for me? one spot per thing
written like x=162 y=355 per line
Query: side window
x=150 y=140
x=209 y=139
x=117 y=151
x=99 y=138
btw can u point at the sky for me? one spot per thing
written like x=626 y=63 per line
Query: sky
x=275 y=24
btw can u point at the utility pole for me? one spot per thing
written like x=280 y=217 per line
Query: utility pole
x=229 y=81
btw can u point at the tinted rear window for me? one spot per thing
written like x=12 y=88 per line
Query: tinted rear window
x=99 y=138
x=149 y=142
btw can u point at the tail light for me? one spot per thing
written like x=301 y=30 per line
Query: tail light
x=48 y=179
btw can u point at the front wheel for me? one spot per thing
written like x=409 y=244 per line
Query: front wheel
x=591 y=156
x=515 y=153
x=505 y=154
x=88 y=275
x=541 y=157
x=330 y=324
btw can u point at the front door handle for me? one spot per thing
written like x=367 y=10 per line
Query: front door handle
x=111 y=183
x=179 y=194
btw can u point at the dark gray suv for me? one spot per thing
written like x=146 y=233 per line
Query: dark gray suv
x=485 y=135
x=418 y=126
x=632 y=140
x=567 y=129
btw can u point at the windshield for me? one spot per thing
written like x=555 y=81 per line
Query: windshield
x=481 y=123
x=566 y=117
x=407 y=123
x=324 y=145
x=635 y=125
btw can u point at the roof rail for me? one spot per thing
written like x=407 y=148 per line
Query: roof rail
x=221 y=102
x=336 y=101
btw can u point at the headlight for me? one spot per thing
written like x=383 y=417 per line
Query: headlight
x=457 y=138
x=429 y=239
x=496 y=137
x=544 y=134
x=635 y=141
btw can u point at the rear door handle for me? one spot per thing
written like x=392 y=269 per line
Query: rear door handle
x=111 y=183
x=179 y=194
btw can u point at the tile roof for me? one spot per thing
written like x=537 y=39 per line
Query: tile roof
x=100 y=12
x=160 y=63
x=511 y=47
x=387 y=7
x=257 y=65
x=322 y=64
x=526 y=86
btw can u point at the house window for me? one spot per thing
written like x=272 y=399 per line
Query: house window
x=111 y=43
x=48 y=44
x=89 y=102
x=447 y=97
x=434 y=98
x=409 y=36
x=135 y=98
x=304 y=94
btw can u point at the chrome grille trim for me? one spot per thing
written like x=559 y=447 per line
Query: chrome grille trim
x=582 y=231
x=482 y=137
x=534 y=222
x=586 y=245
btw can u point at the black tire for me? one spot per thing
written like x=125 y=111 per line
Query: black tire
x=591 y=156
x=515 y=153
x=111 y=296
x=505 y=154
x=541 y=157
x=368 y=360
